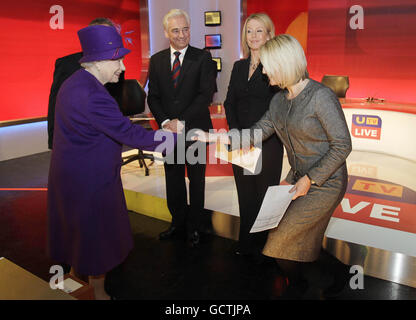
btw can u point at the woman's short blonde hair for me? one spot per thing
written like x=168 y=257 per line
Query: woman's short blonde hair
x=175 y=13
x=268 y=24
x=284 y=60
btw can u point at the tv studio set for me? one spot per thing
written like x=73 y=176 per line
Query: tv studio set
x=208 y=158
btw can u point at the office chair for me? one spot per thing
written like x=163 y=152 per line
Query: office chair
x=131 y=100
x=338 y=84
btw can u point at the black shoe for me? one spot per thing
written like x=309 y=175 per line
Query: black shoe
x=257 y=258
x=236 y=250
x=335 y=289
x=172 y=233
x=295 y=289
x=341 y=279
x=194 y=239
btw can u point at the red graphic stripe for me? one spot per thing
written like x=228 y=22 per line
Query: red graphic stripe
x=23 y=189
x=378 y=212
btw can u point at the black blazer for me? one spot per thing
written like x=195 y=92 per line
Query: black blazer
x=64 y=68
x=247 y=100
x=190 y=100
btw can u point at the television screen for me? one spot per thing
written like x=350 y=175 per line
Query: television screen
x=213 y=41
x=219 y=63
x=213 y=18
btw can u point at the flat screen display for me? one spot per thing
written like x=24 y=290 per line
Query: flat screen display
x=213 y=41
x=213 y=18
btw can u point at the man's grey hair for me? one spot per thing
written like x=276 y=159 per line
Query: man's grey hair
x=175 y=13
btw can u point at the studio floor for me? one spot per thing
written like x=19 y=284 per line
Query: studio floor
x=158 y=270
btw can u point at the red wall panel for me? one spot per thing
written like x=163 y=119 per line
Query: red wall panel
x=282 y=12
x=288 y=16
x=30 y=47
x=379 y=59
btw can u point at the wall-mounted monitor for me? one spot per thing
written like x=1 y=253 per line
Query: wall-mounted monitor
x=212 y=41
x=219 y=63
x=212 y=18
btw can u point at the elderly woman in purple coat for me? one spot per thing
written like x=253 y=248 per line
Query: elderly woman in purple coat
x=88 y=223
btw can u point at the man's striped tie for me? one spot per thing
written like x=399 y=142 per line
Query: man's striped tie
x=176 y=70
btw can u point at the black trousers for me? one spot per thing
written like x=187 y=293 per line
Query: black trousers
x=189 y=217
x=251 y=190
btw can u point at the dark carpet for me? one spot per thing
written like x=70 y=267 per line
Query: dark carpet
x=159 y=270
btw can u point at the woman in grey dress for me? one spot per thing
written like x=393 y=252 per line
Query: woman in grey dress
x=309 y=120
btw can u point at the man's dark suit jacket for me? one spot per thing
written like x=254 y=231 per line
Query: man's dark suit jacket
x=190 y=100
x=64 y=68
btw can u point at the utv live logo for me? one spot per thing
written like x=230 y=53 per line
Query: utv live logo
x=366 y=126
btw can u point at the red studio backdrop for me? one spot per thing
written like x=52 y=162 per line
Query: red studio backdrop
x=288 y=16
x=30 y=46
x=372 y=41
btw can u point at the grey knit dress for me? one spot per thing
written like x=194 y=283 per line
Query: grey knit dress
x=315 y=134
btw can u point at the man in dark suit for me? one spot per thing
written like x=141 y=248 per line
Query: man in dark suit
x=65 y=67
x=181 y=87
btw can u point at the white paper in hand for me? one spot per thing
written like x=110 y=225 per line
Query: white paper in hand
x=247 y=161
x=71 y=285
x=275 y=203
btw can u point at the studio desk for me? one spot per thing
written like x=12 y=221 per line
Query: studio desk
x=375 y=225
x=381 y=127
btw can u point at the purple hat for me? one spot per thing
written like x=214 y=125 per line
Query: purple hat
x=100 y=42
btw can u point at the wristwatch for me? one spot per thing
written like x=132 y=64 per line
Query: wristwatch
x=312 y=182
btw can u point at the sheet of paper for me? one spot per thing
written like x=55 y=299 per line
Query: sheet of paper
x=275 y=203
x=247 y=161
x=71 y=285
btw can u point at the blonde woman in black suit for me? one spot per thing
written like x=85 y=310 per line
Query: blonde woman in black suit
x=248 y=97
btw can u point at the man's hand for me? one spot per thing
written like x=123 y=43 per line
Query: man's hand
x=200 y=136
x=174 y=125
x=211 y=137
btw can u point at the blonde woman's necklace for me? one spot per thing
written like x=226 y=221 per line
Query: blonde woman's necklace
x=253 y=66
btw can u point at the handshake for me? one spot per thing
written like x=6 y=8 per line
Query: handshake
x=220 y=137
x=177 y=126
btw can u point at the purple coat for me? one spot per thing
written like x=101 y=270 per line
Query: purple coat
x=89 y=228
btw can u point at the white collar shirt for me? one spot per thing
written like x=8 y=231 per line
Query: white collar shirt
x=172 y=55
x=172 y=59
